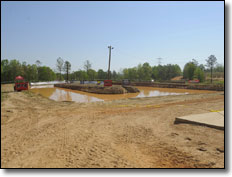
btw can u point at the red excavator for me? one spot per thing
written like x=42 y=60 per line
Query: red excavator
x=20 y=84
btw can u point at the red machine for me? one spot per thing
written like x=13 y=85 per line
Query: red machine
x=20 y=84
x=107 y=83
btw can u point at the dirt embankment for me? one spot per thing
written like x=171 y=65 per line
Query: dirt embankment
x=138 y=133
x=92 y=88
x=194 y=86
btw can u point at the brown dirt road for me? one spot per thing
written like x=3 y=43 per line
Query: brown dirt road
x=132 y=133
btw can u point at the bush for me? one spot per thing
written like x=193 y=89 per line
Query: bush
x=189 y=70
x=199 y=74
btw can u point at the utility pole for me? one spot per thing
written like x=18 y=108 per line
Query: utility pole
x=159 y=60
x=110 y=47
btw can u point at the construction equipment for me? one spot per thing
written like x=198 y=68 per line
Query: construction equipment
x=107 y=83
x=20 y=84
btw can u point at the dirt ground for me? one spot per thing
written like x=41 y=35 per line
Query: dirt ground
x=131 y=133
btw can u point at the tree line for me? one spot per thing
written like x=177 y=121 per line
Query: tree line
x=143 y=72
x=35 y=72
x=194 y=70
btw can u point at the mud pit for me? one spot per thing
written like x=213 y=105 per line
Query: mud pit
x=138 y=132
x=63 y=94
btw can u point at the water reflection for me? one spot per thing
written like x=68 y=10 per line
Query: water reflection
x=59 y=94
x=46 y=83
x=150 y=93
x=41 y=86
x=69 y=95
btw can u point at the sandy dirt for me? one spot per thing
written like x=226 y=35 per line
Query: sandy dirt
x=131 y=133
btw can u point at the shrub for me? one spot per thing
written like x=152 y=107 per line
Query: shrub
x=199 y=74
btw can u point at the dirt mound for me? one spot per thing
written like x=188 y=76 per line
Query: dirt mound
x=131 y=89
x=177 y=78
x=91 y=88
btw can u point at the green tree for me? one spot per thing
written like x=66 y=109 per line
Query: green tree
x=33 y=72
x=155 y=73
x=60 y=66
x=46 y=74
x=92 y=74
x=189 y=69
x=101 y=74
x=87 y=65
x=162 y=72
x=73 y=76
x=15 y=69
x=5 y=70
x=199 y=74
x=81 y=75
x=147 y=70
x=67 y=69
x=202 y=67
x=24 y=69
x=211 y=61
x=177 y=70
x=140 y=72
x=114 y=75
x=195 y=62
x=132 y=73
x=60 y=76
x=125 y=73
x=38 y=63
x=219 y=68
x=1 y=71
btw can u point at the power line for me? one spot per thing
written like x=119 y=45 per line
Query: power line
x=159 y=60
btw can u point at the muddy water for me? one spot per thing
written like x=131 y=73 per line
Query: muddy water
x=61 y=94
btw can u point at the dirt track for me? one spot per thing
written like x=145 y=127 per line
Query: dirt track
x=138 y=133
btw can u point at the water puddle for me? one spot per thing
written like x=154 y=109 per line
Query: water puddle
x=61 y=94
x=151 y=91
x=46 y=83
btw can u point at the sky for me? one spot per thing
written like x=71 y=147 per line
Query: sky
x=139 y=31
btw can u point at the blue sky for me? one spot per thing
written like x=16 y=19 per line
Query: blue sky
x=139 y=32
